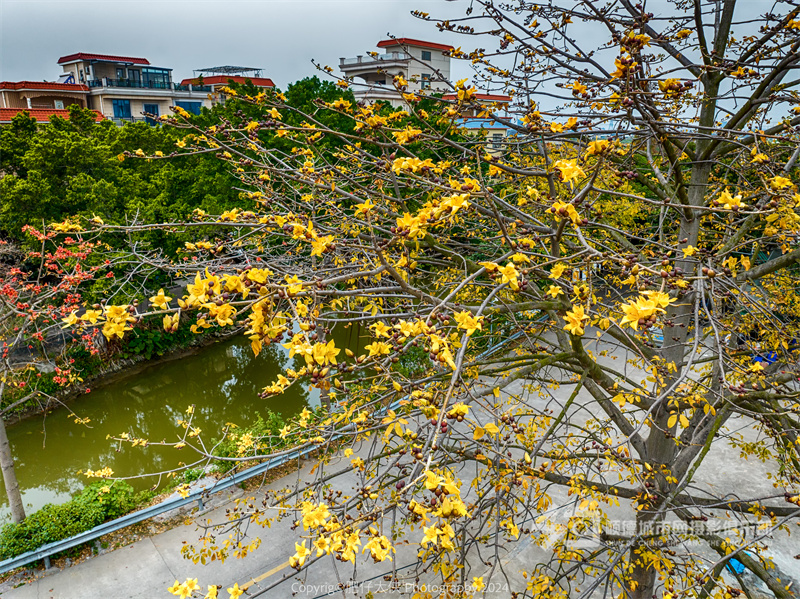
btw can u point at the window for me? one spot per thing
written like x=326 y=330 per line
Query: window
x=82 y=79
x=122 y=109
x=151 y=109
x=134 y=75
x=120 y=73
x=58 y=104
x=426 y=81
x=156 y=78
x=497 y=140
x=190 y=107
x=426 y=55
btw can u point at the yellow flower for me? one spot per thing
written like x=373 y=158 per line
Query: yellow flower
x=728 y=202
x=468 y=322
x=570 y=171
x=557 y=270
x=510 y=274
x=598 y=146
x=364 y=208
x=325 y=353
x=160 y=300
x=554 y=291
x=212 y=592
x=643 y=309
x=184 y=590
x=689 y=250
x=380 y=548
x=171 y=322
x=91 y=316
x=378 y=348
x=71 y=320
x=314 y=516
x=235 y=592
x=563 y=209
x=575 y=318
x=380 y=329
x=299 y=558
x=406 y=135
x=780 y=182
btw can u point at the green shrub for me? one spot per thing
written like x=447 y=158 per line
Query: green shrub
x=116 y=499
x=94 y=505
x=51 y=523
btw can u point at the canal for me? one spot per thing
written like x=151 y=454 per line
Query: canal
x=222 y=381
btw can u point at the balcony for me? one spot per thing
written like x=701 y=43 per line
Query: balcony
x=138 y=84
x=372 y=63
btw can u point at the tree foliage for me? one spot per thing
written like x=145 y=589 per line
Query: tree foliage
x=635 y=247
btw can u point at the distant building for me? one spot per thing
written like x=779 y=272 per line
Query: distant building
x=425 y=65
x=124 y=88
x=495 y=132
x=217 y=77
x=41 y=95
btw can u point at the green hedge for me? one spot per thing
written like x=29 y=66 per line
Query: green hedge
x=93 y=506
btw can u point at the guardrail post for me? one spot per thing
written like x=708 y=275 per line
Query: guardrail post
x=47 y=562
x=200 y=503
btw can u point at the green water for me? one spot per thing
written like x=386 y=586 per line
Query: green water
x=223 y=381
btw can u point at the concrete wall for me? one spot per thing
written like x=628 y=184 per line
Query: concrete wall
x=438 y=67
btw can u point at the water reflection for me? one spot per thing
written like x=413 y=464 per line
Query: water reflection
x=223 y=381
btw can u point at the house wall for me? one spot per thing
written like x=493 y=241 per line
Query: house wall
x=15 y=99
x=104 y=103
x=438 y=62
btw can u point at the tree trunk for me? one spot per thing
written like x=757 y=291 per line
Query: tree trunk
x=10 y=476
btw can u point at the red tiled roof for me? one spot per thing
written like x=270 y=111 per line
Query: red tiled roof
x=487 y=97
x=223 y=79
x=67 y=87
x=407 y=41
x=40 y=114
x=106 y=57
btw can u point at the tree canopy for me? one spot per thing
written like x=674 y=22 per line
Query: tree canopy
x=634 y=246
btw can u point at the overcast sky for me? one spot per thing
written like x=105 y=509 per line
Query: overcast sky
x=280 y=36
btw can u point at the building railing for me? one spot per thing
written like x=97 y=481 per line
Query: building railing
x=133 y=83
x=366 y=60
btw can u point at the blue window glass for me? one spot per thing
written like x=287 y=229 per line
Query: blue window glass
x=122 y=109
x=426 y=55
x=190 y=107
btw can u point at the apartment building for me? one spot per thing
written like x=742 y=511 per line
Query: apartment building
x=127 y=88
x=425 y=65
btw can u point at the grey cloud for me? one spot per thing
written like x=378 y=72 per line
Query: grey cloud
x=281 y=37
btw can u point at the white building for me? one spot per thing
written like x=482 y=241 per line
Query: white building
x=123 y=88
x=425 y=65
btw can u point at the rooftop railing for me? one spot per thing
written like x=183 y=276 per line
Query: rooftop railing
x=390 y=56
x=138 y=84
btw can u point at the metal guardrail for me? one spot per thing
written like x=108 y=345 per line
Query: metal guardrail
x=45 y=551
